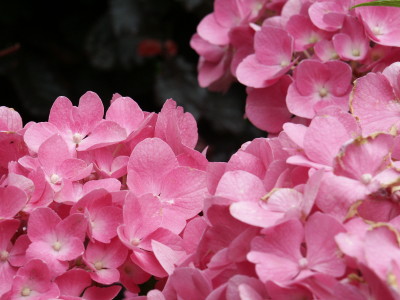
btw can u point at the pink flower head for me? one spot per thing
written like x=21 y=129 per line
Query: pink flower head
x=304 y=32
x=227 y=15
x=279 y=256
x=382 y=24
x=351 y=43
x=362 y=166
x=272 y=59
x=278 y=205
x=54 y=240
x=325 y=50
x=104 y=259
x=103 y=217
x=142 y=216
x=33 y=281
x=71 y=122
x=317 y=85
x=58 y=163
x=153 y=168
x=329 y=15
x=322 y=140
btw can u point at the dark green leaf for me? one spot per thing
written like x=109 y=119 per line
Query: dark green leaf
x=393 y=3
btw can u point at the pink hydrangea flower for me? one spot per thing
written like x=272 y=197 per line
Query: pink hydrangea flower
x=317 y=85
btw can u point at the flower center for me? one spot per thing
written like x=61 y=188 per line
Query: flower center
x=323 y=92
x=284 y=63
x=135 y=242
x=25 y=292
x=377 y=30
x=54 y=178
x=313 y=39
x=3 y=255
x=366 y=178
x=355 y=52
x=77 y=138
x=57 y=246
x=303 y=262
x=98 y=265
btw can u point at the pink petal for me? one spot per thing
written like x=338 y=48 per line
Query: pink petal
x=91 y=111
x=186 y=187
x=11 y=119
x=41 y=224
x=12 y=201
x=38 y=133
x=251 y=72
x=334 y=197
x=149 y=162
x=7 y=229
x=125 y=112
x=141 y=217
x=168 y=258
x=176 y=127
x=104 y=134
x=101 y=293
x=72 y=226
x=322 y=252
x=73 y=282
x=109 y=184
x=210 y=52
x=17 y=254
x=273 y=46
x=148 y=262
x=74 y=169
x=210 y=30
x=277 y=254
x=392 y=73
x=105 y=223
x=52 y=153
x=324 y=138
x=266 y=108
x=60 y=113
x=240 y=186
x=372 y=103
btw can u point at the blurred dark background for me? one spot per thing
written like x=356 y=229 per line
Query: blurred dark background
x=137 y=48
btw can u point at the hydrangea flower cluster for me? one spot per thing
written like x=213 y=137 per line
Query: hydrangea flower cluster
x=88 y=201
x=92 y=204
x=294 y=56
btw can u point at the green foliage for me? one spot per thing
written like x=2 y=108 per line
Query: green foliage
x=393 y=3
